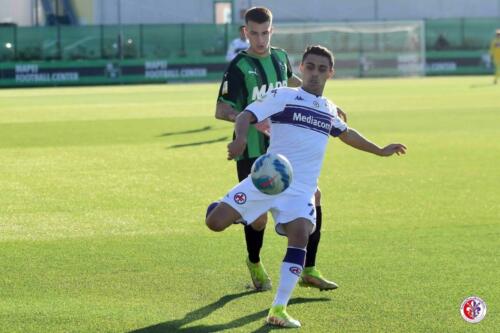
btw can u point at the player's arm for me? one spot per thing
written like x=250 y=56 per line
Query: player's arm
x=231 y=94
x=224 y=111
x=231 y=51
x=354 y=139
x=264 y=126
x=294 y=81
x=342 y=114
x=273 y=102
x=243 y=121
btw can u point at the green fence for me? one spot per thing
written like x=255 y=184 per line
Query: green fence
x=129 y=53
x=188 y=40
x=114 y=42
x=460 y=34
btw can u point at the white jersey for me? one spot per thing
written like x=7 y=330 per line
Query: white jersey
x=235 y=47
x=301 y=124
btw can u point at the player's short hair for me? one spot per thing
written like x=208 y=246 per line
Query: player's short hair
x=321 y=51
x=258 y=15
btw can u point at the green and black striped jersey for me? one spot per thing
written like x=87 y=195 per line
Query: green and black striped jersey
x=248 y=78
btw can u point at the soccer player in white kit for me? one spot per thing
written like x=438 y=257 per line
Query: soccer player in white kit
x=237 y=45
x=301 y=122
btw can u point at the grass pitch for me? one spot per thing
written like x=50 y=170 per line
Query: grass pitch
x=104 y=190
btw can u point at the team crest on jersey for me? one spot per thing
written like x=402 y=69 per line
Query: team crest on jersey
x=282 y=66
x=240 y=198
x=316 y=104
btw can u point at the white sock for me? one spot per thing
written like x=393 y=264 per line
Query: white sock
x=291 y=268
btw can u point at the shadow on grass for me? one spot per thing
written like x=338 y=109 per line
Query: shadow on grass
x=199 y=143
x=177 y=325
x=203 y=129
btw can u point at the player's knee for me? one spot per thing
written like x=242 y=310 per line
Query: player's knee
x=211 y=216
x=221 y=217
x=214 y=224
x=317 y=197
x=260 y=223
x=299 y=237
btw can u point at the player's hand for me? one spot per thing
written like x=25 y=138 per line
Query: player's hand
x=395 y=148
x=264 y=126
x=236 y=148
x=342 y=114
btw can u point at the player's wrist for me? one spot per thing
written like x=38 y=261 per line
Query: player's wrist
x=240 y=139
x=381 y=151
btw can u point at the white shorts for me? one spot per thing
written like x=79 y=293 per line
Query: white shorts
x=285 y=207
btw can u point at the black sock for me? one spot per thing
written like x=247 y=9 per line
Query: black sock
x=312 y=245
x=254 y=241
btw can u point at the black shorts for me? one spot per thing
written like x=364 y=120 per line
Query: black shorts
x=244 y=167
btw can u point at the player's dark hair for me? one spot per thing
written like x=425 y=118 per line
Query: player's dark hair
x=321 y=51
x=258 y=15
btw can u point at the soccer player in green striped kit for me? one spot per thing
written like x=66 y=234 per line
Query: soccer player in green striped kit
x=248 y=77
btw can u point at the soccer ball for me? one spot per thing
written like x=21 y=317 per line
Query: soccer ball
x=272 y=173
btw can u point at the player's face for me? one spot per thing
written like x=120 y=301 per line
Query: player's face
x=259 y=36
x=316 y=71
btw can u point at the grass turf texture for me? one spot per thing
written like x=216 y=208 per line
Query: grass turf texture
x=104 y=190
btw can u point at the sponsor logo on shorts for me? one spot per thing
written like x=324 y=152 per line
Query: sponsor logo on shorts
x=473 y=309
x=296 y=270
x=240 y=198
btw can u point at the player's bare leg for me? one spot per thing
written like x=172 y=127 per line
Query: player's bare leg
x=260 y=223
x=221 y=216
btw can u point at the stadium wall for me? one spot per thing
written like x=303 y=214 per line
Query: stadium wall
x=71 y=55
x=355 y=10
x=202 y=11
x=153 y=11
x=95 y=72
x=18 y=12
